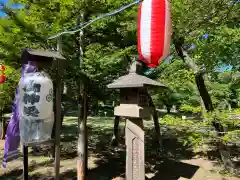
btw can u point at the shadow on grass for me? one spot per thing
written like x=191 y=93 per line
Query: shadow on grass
x=173 y=170
x=110 y=158
x=110 y=161
x=112 y=165
x=17 y=173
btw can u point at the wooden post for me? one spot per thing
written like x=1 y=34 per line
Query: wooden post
x=25 y=162
x=58 y=119
x=135 y=160
x=115 y=136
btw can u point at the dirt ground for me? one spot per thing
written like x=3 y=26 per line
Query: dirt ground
x=106 y=162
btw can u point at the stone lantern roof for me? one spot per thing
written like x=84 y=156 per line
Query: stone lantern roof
x=134 y=80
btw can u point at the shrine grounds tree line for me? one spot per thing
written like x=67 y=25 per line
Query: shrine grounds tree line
x=207 y=30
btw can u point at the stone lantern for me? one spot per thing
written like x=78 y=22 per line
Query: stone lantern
x=134 y=106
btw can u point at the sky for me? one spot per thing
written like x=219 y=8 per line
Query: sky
x=13 y=6
x=2 y=1
x=224 y=68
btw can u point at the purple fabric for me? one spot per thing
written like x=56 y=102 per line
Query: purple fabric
x=12 y=139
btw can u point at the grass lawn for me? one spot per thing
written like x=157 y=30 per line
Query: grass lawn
x=106 y=162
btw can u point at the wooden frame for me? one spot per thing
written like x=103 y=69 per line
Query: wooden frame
x=46 y=59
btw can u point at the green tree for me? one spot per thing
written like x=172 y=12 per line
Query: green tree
x=181 y=84
x=8 y=88
x=224 y=88
x=110 y=45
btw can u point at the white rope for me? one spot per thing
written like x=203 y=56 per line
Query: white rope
x=96 y=19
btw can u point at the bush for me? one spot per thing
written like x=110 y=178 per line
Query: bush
x=236 y=111
x=186 y=131
x=231 y=125
x=196 y=133
x=190 y=109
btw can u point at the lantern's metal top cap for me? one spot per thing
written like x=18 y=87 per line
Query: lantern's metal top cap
x=43 y=54
x=134 y=79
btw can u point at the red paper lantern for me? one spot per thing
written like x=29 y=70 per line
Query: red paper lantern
x=2 y=74
x=154 y=31
x=2 y=79
x=2 y=67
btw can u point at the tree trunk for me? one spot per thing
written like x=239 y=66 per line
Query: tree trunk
x=82 y=117
x=203 y=92
x=115 y=136
x=198 y=73
x=95 y=108
x=203 y=107
x=82 y=140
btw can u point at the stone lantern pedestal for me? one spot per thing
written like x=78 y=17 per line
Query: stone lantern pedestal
x=134 y=106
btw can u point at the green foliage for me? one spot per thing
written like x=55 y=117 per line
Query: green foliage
x=184 y=130
x=181 y=84
x=8 y=88
x=218 y=18
x=236 y=111
x=231 y=134
x=224 y=118
x=195 y=133
x=232 y=137
x=190 y=109
x=110 y=45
